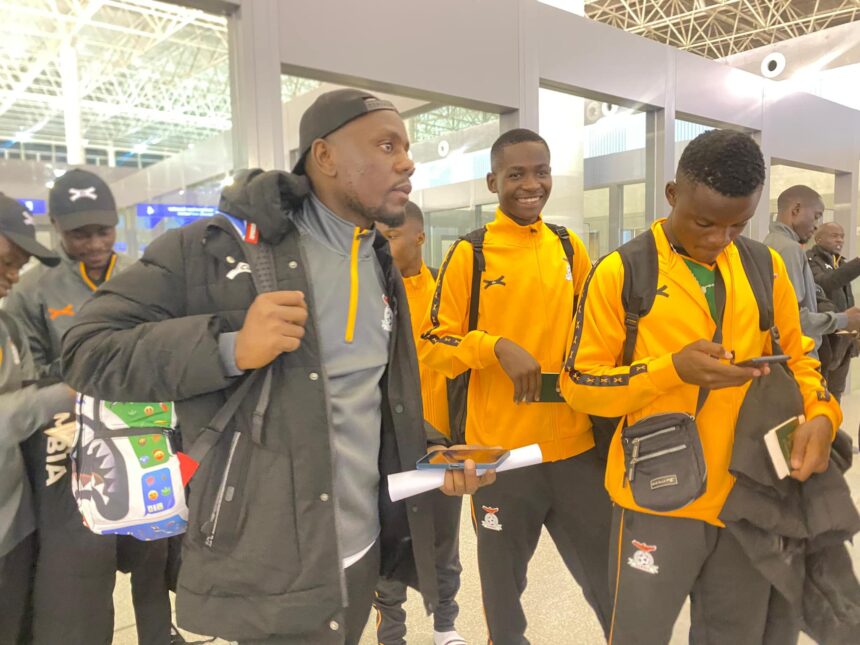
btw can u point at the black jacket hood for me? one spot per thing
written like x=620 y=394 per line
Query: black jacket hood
x=265 y=198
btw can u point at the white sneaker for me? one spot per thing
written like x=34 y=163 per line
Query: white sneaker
x=448 y=638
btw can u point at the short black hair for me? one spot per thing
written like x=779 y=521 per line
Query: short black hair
x=510 y=138
x=726 y=161
x=797 y=194
x=413 y=212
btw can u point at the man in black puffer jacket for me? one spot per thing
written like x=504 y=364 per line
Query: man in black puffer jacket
x=834 y=274
x=290 y=522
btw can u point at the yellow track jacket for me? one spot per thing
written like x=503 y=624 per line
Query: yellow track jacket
x=434 y=393
x=680 y=316
x=527 y=296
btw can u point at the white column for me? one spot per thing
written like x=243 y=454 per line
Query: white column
x=255 y=86
x=660 y=149
x=761 y=220
x=845 y=206
x=71 y=104
x=562 y=120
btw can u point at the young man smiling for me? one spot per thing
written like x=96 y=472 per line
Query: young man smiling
x=660 y=558
x=527 y=292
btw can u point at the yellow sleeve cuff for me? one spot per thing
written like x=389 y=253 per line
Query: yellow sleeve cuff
x=663 y=374
x=487 y=351
x=824 y=409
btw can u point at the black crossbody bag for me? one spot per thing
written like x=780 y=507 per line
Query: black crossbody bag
x=663 y=456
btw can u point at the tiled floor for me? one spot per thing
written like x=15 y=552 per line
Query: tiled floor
x=556 y=610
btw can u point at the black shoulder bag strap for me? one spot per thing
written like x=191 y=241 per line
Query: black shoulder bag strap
x=261 y=260
x=213 y=432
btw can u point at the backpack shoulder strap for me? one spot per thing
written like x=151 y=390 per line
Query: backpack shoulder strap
x=641 y=269
x=758 y=265
x=563 y=237
x=476 y=239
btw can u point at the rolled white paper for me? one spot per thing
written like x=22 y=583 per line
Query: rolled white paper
x=415 y=482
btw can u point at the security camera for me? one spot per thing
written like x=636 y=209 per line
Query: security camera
x=608 y=109
x=773 y=65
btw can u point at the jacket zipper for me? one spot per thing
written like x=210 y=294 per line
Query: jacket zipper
x=635 y=459
x=222 y=490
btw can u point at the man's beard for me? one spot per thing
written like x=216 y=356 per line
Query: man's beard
x=377 y=214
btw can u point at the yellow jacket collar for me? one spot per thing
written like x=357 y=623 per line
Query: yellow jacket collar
x=507 y=228
x=419 y=279
x=669 y=256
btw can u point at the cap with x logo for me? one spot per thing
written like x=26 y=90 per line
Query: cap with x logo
x=80 y=198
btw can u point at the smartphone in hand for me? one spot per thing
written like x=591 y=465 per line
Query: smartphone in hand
x=759 y=361
x=455 y=458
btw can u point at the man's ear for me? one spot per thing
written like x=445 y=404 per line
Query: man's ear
x=491 y=182
x=671 y=193
x=323 y=156
x=421 y=237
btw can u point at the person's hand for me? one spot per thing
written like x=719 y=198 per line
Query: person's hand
x=699 y=364
x=853 y=319
x=521 y=368
x=810 y=448
x=274 y=324
x=466 y=481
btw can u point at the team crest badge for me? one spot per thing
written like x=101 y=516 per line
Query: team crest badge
x=387 y=316
x=643 y=559
x=491 y=520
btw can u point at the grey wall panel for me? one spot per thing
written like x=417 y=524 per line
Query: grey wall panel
x=450 y=48
x=599 y=60
x=809 y=131
x=717 y=93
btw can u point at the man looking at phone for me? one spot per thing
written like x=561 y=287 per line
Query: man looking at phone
x=406 y=242
x=799 y=212
x=659 y=558
x=527 y=289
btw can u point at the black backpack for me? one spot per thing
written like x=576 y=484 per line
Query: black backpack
x=458 y=387
x=641 y=273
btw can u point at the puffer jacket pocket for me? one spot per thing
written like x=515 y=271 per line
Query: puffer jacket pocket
x=242 y=536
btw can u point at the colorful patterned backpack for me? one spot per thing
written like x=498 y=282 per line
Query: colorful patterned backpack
x=126 y=473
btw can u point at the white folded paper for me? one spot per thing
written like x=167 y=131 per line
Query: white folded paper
x=415 y=482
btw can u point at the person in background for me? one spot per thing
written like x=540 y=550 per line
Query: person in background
x=799 y=210
x=834 y=273
x=24 y=408
x=73 y=595
x=406 y=242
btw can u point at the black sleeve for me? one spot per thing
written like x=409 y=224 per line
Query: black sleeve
x=134 y=340
x=837 y=278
